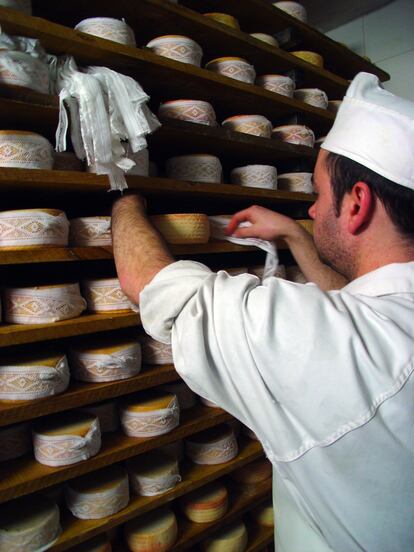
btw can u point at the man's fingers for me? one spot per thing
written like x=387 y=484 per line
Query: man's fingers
x=237 y=218
x=248 y=232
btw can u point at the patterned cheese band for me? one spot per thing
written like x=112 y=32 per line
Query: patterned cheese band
x=90 y=231
x=216 y=451
x=33 y=227
x=153 y=474
x=117 y=365
x=33 y=527
x=155 y=352
x=25 y=150
x=107 y=414
x=43 y=304
x=105 y=294
x=27 y=382
x=15 y=441
x=63 y=450
x=151 y=423
x=97 y=505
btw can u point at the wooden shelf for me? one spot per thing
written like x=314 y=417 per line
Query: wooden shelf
x=194 y=476
x=260 y=16
x=81 y=394
x=17 y=334
x=242 y=498
x=163 y=77
x=19 y=180
x=24 y=475
x=259 y=537
x=150 y=18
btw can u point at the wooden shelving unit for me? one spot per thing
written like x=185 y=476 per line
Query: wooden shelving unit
x=80 y=193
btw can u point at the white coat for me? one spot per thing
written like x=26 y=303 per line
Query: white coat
x=323 y=379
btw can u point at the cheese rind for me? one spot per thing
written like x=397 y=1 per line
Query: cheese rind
x=213 y=446
x=150 y=414
x=99 y=494
x=232 y=538
x=66 y=438
x=32 y=228
x=34 y=379
x=104 y=295
x=29 y=526
x=155 y=531
x=153 y=473
x=43 y=304
x=264 y=514
x=183 y=228
x=119 y=361
x=15 y=441
x=207 y=504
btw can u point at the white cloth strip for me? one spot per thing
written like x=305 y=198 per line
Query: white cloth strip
x=63 y=450
x=153 y=423
x=33 y=228
x=217 y=230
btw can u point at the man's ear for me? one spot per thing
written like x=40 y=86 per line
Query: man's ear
x=360 y=206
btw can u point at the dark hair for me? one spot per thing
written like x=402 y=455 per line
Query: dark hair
x=398 y=200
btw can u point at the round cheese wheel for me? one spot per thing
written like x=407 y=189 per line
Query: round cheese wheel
x=98 y=494
x=25 y=380
x=22 y=149
x=66 y=438
x=98 y=362
x=29 y=525
x=153 y=473
x=105 y=295
x=254 y=472
x=155 y=531
x=183 y=228
x=207 y=504
x=90 y=231
x=15 y=441
x=213 y=446
x=43 y=304
x=232 y=538
x=264 y=515
x=33 y=228
x=155 y=352
x=150 y=414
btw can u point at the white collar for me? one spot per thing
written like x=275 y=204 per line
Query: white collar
x=392 y=278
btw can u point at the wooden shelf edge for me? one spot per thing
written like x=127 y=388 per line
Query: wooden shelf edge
x=76 y=531
x=25 y=475
x=81 y=394
x=18 y=334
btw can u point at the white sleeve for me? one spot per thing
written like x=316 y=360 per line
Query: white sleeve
x=288 y=360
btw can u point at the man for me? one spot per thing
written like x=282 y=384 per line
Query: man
x=324 y=378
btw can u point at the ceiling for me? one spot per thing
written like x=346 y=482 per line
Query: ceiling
x=329 y=14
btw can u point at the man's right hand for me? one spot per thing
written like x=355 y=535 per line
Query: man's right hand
x=265 y=224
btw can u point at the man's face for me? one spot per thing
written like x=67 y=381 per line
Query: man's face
x=328 y=227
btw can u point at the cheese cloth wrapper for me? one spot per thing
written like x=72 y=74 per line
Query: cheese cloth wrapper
x=105 y=108
x=218 y=225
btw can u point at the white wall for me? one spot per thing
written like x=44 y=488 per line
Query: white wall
x=387 y=37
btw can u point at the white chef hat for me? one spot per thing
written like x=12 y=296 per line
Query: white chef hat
x=375 y=128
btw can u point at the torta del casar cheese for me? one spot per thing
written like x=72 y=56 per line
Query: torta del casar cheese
x=29 y=525
x=153 y=473
x=66 y=438
x=43 y=304
x=118 y=361
x=15 y=441
x=183 y=228
x=33 y=228
x=256 y=471
x=155 y=531
x=232 y=538
x=105 y=295
x=90 y=231
x=107 y=414
x=27 y=380
x=213 y=446
x=149 y=414
x=155 y=352
x=22 y=149
x=206 y=504
x=98 y=494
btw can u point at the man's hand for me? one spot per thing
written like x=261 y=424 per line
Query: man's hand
x=265 y=224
